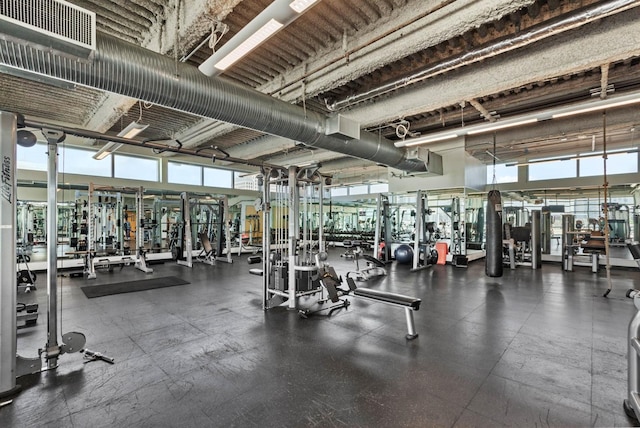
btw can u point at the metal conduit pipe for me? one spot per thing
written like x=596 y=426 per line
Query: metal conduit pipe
x=126 y=69
x=525 y=38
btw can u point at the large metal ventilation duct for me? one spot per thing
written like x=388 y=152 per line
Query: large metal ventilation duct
x=127 y=69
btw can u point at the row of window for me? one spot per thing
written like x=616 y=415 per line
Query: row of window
x=363 y=189
x=73 y=160
x=617 y=163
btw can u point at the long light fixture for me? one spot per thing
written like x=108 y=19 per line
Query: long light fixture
x=130 y=131
x=503 y=124
x=574 y=157
x=266 y=31
x=430 y=139
x=556 y=113
x=275 y=17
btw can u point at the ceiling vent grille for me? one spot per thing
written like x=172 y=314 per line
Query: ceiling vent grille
x=55 y=24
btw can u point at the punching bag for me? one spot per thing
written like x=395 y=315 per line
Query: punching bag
x=493 y=261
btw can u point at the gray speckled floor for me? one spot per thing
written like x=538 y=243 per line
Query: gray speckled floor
x=533 y=348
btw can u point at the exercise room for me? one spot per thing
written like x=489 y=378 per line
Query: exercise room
x=292 y=213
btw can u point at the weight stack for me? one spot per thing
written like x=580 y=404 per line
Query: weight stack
x=493 y=260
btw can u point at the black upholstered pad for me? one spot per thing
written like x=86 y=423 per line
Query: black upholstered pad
x=373 y=260
x=383 y=296
x=635 y=250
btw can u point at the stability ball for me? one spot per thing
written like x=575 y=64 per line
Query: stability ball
x=404 y=254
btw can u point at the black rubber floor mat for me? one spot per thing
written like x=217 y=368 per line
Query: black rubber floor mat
x=92 y=291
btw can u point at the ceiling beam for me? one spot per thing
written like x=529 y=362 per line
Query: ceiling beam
x=612 y=39
x=335 y=68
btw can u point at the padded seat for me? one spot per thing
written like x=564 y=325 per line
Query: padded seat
x=258 y=272
x=383 y=296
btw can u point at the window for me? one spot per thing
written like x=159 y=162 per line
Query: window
x=80 y=161
x=617 y=163
x=215 y=177
x=244 y=180
x=339 y=191
x=135 y=168
x=379 y=188
x=552 y=170
x=33 y=158
x=182 y=173
x=359 y=190
x=504 y=174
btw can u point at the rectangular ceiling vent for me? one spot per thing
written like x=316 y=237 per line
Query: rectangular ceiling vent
x=55 y=24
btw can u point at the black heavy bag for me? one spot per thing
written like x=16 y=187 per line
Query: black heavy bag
x=493 y=261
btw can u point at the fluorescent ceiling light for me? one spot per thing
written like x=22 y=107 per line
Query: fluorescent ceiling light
x=266 y=31
x=541 y=116
x=276 y=16
x=574 y=157
x=425 y=140
x=598 y=105
x=494 y=126
x=301 y=5
x=129 y=131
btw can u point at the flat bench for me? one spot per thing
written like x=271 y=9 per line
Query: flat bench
x=410 y=304
x=392 y=298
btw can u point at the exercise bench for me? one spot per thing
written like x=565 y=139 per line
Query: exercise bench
x=331 y=282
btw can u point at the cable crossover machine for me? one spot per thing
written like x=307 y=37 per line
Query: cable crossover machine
x=294 y=269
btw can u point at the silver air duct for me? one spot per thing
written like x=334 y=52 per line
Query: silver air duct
x=130 y=70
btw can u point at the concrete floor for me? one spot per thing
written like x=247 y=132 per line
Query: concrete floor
x=530 y=348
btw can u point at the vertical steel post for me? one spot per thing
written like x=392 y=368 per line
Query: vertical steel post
x=266 y=239
x=321 y=246
x=568 y=221
x=545 y=226
x=379 y=224
x=536 y=247
x=293 y=233
x=53 y=350
x=632 y=403
x=8 y=286
x=226 y=219
x=418 y=232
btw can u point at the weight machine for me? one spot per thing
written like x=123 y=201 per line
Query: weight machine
x=210 y=228
x=424 y=253
x=290 y=271
x=100 y=231
x=13 y=366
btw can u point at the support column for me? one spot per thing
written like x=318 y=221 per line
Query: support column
x=8 y=286
x=52 y=349
x=536 y=247
x=293 y=234
x=266 y=239
x=141 y=261
x=321 y=246
x=379 y=224
x=418 y=234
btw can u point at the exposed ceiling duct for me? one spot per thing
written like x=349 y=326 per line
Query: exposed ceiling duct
x=130 y=70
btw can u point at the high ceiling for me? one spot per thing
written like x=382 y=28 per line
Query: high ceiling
x=400 y=68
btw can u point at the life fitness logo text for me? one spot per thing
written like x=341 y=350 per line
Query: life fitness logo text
x=7 y=182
